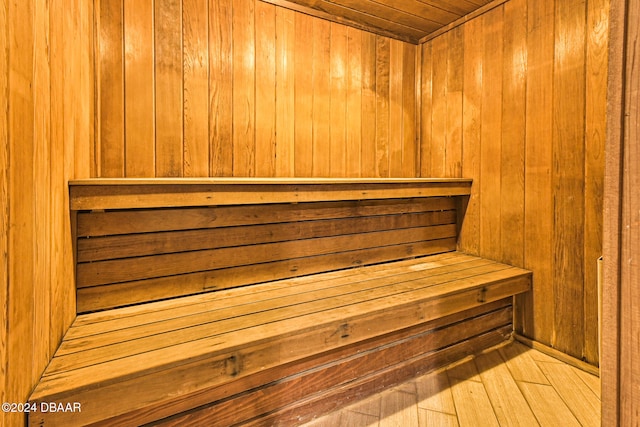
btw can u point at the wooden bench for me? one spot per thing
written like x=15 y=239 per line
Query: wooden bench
x=248 y=301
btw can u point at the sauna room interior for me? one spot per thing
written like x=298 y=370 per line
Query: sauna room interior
x=505 y=131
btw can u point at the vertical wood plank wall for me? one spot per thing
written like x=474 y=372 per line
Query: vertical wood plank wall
x=515 y=99
x=620 y=371
x=246 y=88
x=46 y=129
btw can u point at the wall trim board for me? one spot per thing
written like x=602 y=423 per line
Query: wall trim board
x=550 y=351
x=619 y=378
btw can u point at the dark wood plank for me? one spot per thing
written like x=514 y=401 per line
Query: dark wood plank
x=313 y=383
x=150 y=391
x=144 y=221
x=326 y=359
x=133 y=245
x=121 y=294
x=122 y=270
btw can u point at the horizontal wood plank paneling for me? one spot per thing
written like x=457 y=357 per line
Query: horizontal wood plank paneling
x=165 y=193
x=190 y=250
x=532 y=70
x=311 y=389
x=289 y=94
x=207 y=343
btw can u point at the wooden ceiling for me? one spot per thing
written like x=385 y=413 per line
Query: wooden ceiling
x=408 y=20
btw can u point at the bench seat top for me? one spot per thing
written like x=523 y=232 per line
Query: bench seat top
x=128 y=193
x=180 y=346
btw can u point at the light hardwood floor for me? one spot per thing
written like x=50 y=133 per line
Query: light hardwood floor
x=512 y=385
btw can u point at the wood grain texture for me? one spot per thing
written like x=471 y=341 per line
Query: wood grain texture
x=382 y=107
x=512 y=155
x=116 y=263
x=492 y=99
x=396 y=122
x=338 y=100
x=330 y=379
x=41 y=182
x=455 y=81
x=220 y=88
x=538 y=183
x=303 y=113
x=285 y=92
x=369 y=91
x=265 y=89
x=288 y=94
x=568 y=176
x=111 y=45
x=196 y=87
x=168 y=77
x=509 y=404
x=4 y=206
x=22 y=235
x=139 y=89
x=620 y=298
x=354 y=114
x=47 y=123
x=595 y=135
x=426 y=104
x=320 y=45
x=411 y=20
x=158 y=193
x=630 y=244
x=409 y=150
x=471 y=132
x=244 y=80
x=531 y=151
x=351 y=309
x=438 y=141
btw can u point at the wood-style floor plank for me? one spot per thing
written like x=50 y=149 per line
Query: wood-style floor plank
x=591 y=381
x=466 y=371
x=584 y=404
x=472 y=404
x=510 y=406
x=398 y=409
x=547 y=405
x=483 y=390
x=434 y=418
x=370 y=406
x=434 y=393
x=521 y=365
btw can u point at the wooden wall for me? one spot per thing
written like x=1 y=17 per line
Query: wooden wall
x=246 y=88
x=46 y=125
x=620 y=370
x=515 y=99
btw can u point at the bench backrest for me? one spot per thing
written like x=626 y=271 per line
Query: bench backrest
x=143 y=252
